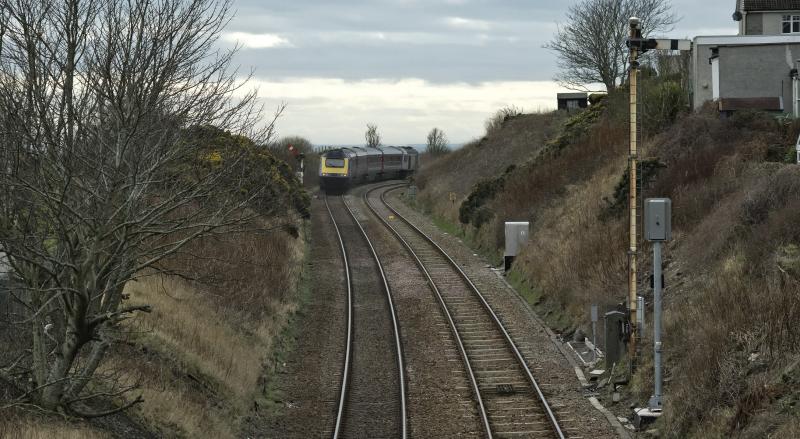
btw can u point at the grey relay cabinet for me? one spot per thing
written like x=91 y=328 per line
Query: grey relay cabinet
x=516 y=236
x=657 y=222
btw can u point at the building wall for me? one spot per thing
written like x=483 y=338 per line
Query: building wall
x=757 y=71
x=754 y=24
x=764 y=23
x=701 y=77
x=773 y=22
x=746 y=72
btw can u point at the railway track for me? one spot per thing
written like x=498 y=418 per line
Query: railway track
x=509 y=400
x=372 y=401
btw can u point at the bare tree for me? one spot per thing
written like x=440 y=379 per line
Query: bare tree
x=591 y=45
x=372 y=136
x=100 y=180
x=437 y=143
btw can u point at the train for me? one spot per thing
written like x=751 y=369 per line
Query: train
x=342 y=168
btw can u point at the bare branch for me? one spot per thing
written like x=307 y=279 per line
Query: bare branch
x=591 y=44
x=123 y=138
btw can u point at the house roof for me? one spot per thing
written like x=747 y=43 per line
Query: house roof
x=571 y=96
x=745 y=40
x=771 y=5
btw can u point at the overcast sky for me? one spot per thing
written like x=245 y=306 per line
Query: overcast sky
x=410 y=65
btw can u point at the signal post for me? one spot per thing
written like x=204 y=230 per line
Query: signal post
x=658 y=212
x=635 y=35
x=637 y=46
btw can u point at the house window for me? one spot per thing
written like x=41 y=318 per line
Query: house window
x=572 y=105
x=791 y=24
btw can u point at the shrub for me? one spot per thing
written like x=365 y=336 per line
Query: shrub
x=501 y=117
x=648 y=170
x=472 y=210
x=662 y=102
x=575 y=127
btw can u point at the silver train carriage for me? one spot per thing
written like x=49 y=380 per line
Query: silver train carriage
x=342 y=168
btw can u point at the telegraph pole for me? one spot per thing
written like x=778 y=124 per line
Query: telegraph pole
x=632 y=200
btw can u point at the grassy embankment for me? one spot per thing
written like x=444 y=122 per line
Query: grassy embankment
x=206 y=346
x=732 y=270
x=200 y=359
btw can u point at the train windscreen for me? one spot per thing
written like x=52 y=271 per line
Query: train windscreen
x=334 y=163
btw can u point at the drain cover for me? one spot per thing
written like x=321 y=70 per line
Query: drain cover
x=505 y=389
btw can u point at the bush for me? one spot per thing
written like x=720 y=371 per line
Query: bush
x=500 y=117
x=616 y=205
x=472 y=210
x=662 y=102
x=575 y=127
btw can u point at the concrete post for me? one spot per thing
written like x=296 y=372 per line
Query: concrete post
x=594 y=316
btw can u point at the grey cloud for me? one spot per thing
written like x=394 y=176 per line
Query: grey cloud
x=362 y=39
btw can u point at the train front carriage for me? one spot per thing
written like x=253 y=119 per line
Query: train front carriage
x=336 y=169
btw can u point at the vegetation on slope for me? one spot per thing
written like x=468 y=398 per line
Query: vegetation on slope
x=731 y=269
x=199 y=358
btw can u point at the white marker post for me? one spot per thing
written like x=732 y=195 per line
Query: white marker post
x=594 y=332
x=797 y=148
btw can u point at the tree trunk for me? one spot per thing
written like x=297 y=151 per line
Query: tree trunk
x=95 y=357
x=57 y=379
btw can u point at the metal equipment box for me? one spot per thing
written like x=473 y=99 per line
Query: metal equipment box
x=657 y=219
x=614 y=325
x=516 y=236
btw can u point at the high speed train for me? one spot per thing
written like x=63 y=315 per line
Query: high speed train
x=342 y=168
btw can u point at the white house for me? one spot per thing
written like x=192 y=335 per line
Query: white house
x=768 y=17
x=756 y=69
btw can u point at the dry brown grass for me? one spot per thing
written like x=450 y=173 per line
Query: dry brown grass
x=520 y=139
x=29 y=428
x=733 y=267
x=205 y=345
x=581 y=271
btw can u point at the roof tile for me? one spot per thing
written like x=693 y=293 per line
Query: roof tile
x=771 y=5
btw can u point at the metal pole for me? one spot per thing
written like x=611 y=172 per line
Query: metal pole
x=655 y=400
x=632 y=163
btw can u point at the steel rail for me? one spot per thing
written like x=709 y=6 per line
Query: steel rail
x=395 y=327
x=465 y=357
x=347 y=355
x=520 y=358
x=395 y=324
